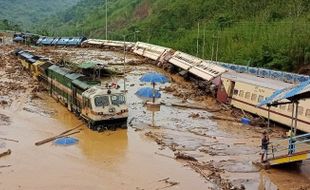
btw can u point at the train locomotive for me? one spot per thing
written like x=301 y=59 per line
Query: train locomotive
x=102 y=107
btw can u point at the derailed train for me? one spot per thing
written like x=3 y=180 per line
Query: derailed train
x=102 y=107
x=242 y=88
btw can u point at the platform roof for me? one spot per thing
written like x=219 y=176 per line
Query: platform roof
x=287 y=95
x=87 y=65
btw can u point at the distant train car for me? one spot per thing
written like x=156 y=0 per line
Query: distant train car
x=28 y=38
x=60 y=41
x=108 y=44
x=245 y=91
x=27 y=59
x=101 y=107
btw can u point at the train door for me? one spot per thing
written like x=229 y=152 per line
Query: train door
x=86 y=110
x=231 y=88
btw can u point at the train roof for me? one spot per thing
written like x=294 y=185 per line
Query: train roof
x=258 y=81
x=74 y=76
x=46 y=65
x=99 y=90
x=60 y=70
x=83 y=83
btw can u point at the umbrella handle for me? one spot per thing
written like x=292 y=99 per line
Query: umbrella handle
x=153 y=92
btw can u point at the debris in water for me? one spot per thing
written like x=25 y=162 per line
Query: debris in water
x=5 y=166
x=7 y=139
x=61 y=135
x=8 y=152
x=183 y=156
x=4 y=120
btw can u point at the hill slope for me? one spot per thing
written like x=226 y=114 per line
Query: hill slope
x=27 y=13
x=266 y=33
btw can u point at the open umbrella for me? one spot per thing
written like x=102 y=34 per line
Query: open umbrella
x=147 y=92
x=154 y=77
x=66 y=141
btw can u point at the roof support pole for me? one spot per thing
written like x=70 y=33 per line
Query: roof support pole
x=296 y=117
x=124 y=38
x=268 y=126
x=290 y=147
x=292 y=122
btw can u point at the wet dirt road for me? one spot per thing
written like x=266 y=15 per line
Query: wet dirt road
x=141 y=157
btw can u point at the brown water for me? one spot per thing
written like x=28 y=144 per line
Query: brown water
x=111 y=160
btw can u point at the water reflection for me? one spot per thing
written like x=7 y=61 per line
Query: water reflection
x=104 y=147
x=98 y=147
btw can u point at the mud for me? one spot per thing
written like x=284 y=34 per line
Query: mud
x=186 y=150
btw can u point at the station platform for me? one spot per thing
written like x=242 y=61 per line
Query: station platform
x=287 y=151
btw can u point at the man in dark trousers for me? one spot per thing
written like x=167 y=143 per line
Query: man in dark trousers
x=265 y=142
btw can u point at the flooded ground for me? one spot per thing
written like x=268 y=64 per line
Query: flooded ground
x=187 y=149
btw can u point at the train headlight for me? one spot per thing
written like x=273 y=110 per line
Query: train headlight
x=112 y=110
x=124 y=110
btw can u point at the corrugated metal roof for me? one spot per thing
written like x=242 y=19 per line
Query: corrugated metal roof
x=296 y=92
x=73 y=76
x=59 y=70
x=85 y=84
x=81 y=84
x=87 y=65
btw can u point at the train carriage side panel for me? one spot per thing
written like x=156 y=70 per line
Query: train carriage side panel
x=43 y=74
x=246 y=96
x=68 y=78
x=57 y=82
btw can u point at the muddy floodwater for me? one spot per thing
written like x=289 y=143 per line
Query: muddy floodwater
x=219 y=153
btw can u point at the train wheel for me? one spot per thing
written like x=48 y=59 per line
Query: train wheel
x=90 y=125
x=124 y=126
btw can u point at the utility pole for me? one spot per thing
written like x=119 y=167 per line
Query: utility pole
x=106 y=19
x=124 y=36
x=197 y=42
x=217 y=48
x=212 y=48
x=204 y=43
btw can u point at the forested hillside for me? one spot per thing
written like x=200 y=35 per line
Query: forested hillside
x=26 y=13
x=265 y=33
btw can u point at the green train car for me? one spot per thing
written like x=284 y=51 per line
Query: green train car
x=100 y=106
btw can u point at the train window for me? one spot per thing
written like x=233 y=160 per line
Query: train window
x=241 y=93
x=236 y=92
x=300 y=110
x=253 y=97
x=290 y=108
x=308 y=113
x=247 y=95
x=117 y=99
x=283 y=107
x=102 y=101
x=260 y=98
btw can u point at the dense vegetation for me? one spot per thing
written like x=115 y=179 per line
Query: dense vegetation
x=265 y=33
x=28 y=13
x=7 y=25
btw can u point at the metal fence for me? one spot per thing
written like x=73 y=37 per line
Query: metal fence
x=267 y=73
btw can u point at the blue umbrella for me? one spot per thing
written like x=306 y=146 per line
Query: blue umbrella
x=66 y=141
x=154 y=77
x=147 y=92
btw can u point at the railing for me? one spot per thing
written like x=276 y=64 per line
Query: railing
x=267 y=73
x=286 y=147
